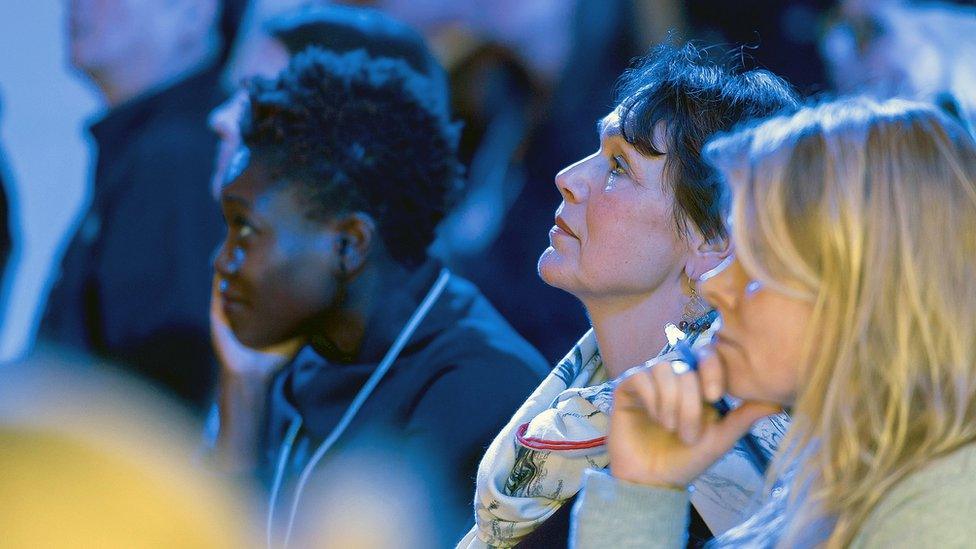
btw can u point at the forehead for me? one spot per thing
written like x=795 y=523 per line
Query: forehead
x=611 y=126
x=254 y=186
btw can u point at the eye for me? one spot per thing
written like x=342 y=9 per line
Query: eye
x=241 y=226
x=618 y=166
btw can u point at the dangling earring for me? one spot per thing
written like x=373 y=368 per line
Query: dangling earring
x=693 y=311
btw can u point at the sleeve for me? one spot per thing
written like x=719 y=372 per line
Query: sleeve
x=614 y=513
x=922 y=515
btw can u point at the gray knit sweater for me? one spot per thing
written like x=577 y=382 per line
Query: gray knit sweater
x=934 y=507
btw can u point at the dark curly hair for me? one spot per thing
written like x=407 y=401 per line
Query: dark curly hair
x=359 y=134
x=695 y=98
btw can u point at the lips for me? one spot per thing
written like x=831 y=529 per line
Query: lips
x=564 y=227
x=721 y=337
x=231 y=295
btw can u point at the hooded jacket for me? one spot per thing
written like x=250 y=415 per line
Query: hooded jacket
x=456 y=382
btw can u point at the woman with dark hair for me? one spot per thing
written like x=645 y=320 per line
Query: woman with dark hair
x=847 y=302
x=347 y=167
x=640 y=219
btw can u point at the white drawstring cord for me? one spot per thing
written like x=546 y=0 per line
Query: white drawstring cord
x=353 y=409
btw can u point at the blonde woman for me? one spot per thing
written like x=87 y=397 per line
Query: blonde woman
x=851 y=300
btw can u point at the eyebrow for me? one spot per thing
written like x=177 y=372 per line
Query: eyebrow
x=606 y=131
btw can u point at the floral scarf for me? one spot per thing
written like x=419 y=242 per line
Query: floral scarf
x=537 y=461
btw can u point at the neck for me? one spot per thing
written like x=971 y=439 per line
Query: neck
x=124 y=83
x=631 y=331
x=339 y=334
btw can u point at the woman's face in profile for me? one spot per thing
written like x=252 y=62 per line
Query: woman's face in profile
x=277 y=267
x=615 y=234
x=760 y=341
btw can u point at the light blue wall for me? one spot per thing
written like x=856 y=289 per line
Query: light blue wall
x=42 y=130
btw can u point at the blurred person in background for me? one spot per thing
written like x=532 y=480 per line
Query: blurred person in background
x=348 y=165
x=920 y=50
x=848 y=302
x=255 y=51
x=640 y=218
x=134 y=282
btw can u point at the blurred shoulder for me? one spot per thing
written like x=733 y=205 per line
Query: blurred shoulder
x=932 y=507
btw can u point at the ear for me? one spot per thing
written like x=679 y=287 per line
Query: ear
x=705 y=254
x=354 y=238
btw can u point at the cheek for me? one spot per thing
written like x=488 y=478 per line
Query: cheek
x=301 y=286
x=777 y=330
x=286 y=285
x=629 y=241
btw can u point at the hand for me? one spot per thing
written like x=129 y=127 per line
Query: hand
x=237 y=359
x=663 y=432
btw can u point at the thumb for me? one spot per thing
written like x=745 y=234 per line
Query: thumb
x=723 y=435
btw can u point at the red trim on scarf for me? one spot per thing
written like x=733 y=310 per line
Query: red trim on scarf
x=541 y=444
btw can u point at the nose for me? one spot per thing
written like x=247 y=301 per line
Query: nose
x=226 y=118
x=572 y=184
x=220 y=119
x=228 y=260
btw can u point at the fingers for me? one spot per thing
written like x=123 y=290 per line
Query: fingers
x=722 y=435
x=712 y=374
x=673 y=401
x=689 y=407
x=638 y=389
x=666 y=395
x=215 y=296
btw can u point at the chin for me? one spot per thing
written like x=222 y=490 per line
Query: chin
x=252 y=336
x=548 y=267
x=556 y=271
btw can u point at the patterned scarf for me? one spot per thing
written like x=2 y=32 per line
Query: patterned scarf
x=537 y=461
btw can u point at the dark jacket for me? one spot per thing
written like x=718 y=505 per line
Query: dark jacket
x=134 y=283
x=461 y=376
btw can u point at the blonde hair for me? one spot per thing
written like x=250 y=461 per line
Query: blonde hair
x=868 y=210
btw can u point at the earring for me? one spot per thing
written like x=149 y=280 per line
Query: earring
x=694 y=310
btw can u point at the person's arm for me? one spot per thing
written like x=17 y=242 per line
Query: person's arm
x=934 y=508
x=616 y=513
x=662 y=436
x=242 y=402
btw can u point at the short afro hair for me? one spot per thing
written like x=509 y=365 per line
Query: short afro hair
x=695 y=98
x=359 y=133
